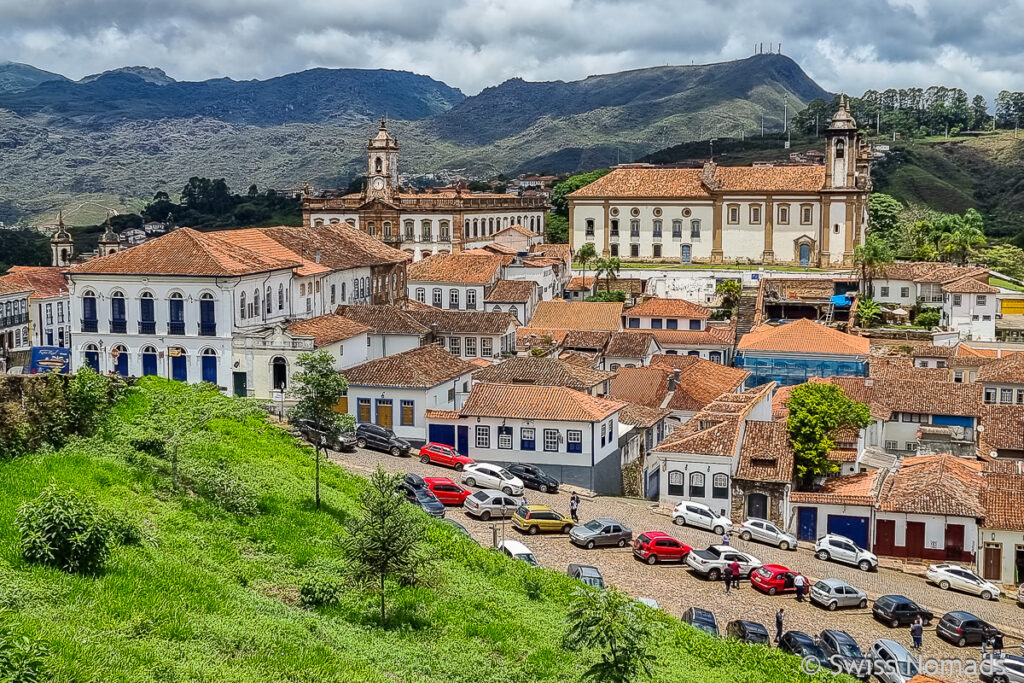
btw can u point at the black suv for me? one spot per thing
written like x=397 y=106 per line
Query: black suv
x=702 y=619
x=963 y=628
x=341 y=441
x=381 y=439
x=803 y=646
x=844 y=653
x=749 y=632
x=534 y=478
x=898 y=610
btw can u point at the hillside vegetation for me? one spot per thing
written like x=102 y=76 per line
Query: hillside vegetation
x=205 y=583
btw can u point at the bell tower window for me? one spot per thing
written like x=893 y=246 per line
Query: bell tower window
x=840 y=149
x=379 y=165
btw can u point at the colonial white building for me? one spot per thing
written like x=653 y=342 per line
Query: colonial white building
x=49 y=304
x=14 y=330
x=801 y=215
x=421 y=224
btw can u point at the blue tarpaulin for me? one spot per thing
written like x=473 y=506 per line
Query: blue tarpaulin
x=840 y=300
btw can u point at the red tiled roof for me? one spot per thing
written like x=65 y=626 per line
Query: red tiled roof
x=1003 y=500
x=327 y=329
x=436 y=414
x=936 y=485
x=511 y=291
x=766 y=453
x=383 y=319
x=712 y=335
x=804 y=336
x=969 y=285
x=1005 y=370
x=464 y=322
x=902 y=367
x=518 y=229
x=586 y=339
x=577 y=315
x=700 y=381
x=425 y=366
x=543 y=371
x=457 y=268
x=580 y=284
x=643 y=386
x=852 y=489
x=668 y=308
x=1003 y=427
x=339 y=246
x=926 y=271
x=630 y=344
x=562 y=252
x=44 y=281
x=689 y=182
x=534 y=402
x=715 y=429
x=642 y=416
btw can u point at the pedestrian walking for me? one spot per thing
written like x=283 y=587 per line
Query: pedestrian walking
x=798 y=583
x=725 y=538
x=734 y=569
x=997 y=643
x=727 y=577
x=778 y=624
x=574 y=507
x=917 y=633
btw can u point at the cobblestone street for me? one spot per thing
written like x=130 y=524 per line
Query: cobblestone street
x=676 y=588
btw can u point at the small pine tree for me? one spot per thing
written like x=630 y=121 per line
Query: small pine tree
x=620 y=627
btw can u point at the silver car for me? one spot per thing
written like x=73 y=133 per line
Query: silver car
x=601 y=531
x=763 y=531
x=489 y=503
x=1003 y=667
x=891 y=662
x=834 y=593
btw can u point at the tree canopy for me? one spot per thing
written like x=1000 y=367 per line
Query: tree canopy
x=571 y=184
x=816 y=413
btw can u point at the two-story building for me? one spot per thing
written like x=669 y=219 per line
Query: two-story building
x=795 y=352
x=573 y=436
x=49 y=303
x=14 y=328
x=459 y=282
x=490 y=335
x=969 y=307
x=518 y=297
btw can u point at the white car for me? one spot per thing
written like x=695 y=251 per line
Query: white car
x=490 y=476
x=947 y=576
x=764 y=531
x=700 y=515
x=836 y=548
x=518 y=551
x=712 y=562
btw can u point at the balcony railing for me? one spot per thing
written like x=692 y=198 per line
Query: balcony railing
x=147 y=327
x=90 y=325
x=207 y=329
x=118 y=326
x=176 y=327
x=11 y=320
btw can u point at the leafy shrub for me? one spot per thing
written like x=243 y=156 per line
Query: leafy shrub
x=223 y=488
x=533 y=585
x=125 y=529
x=22 y=659
x=927 y=318
x=321 y=590
x=64 y=529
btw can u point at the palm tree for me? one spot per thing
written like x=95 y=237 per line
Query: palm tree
x=869 y=256
x=585 y=255
x=966 y=234
x=609 y=266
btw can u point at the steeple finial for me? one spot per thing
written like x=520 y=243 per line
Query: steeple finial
x=60 y=219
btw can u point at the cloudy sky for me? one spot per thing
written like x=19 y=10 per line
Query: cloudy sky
x=851 y=46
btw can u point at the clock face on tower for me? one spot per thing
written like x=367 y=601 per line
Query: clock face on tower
x=378 y=183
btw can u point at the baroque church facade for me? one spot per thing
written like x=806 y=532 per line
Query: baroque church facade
x=424 y=223
x=808 y=215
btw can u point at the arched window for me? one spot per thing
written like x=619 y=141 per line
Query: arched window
x=208 y=315
x=119 y=355
x=410 y=231
x=17 y=338
x=335 y=221
x=176 y=314
x=720 y=486
x=318 y=223
x=179 y=363
x=269 y=300
x=209 y=366
x=425 y=229
x=436 y=297
x=279 y=373
x=280 y=297
x=387 y=228
x=675 y=483
x=840 y=149
x=302 y=289
x=241 y=305
x=148 y=361
x=476 y=228
x=118 y=313
x=378 y=165
x=696 y=485
x=256 y=301
x=333 y=294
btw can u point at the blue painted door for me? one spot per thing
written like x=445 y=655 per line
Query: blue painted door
x=121 y=364
x=805 y=254
x=148 y=364
x=807 y=524
x=179 y=369
x=686 y=253
x=652 y=485
x=92 y=359
x=463 y=445
x=442 y=434
x=854 y=528
x=210 y=369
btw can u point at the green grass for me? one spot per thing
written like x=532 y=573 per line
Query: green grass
x=214 y=596
x=1005 y=284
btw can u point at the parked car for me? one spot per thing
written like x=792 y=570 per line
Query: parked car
x=338 y=441
x=536 y=518
x=534 y=477
x=425 y=499
x=461 y=529
x=601 y=531
x=891 y=662
x=835 y=593
x=762 y=530
x=715 y=559
x=440 y=454
x=381 y=439
x=446 y=490
x=587 y=574
x=702 y=619
x=490 y=503
x=899 y=610
x=700 y=515
x=1003 y=668
x=836 y=548
x=774 y=578
x=804 y=646
x=749 y=632
x=518 y=551
x=844 y=653
x=656 y=546
x=492 y=476
x=952 y=576
x=414 y=480
x=963 y=628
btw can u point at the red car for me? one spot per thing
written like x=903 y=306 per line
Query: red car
x=773 y=578
x=439 y=454
x=657 y=546
x=446 y=490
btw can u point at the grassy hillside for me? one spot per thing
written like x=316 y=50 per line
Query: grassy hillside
x=214 y=596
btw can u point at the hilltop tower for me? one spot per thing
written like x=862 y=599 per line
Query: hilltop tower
x=382 y=165
x=62 y=247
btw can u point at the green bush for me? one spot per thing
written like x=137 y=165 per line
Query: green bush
x=928 y=318
x=321 y=590
x=221 y=487
x=64 y=529
x=126 y=530
x=22 y=659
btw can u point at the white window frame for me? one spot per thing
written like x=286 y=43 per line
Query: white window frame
x=482 y=436
x=551 y=436
x=471 y=346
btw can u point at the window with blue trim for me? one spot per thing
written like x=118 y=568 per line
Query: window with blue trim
x=634 y=323
x=528 y=439
x=505 y=438
x=408 y=413
x=574 y=441
x=671 y=324
x=695 y=324
x=655 y=323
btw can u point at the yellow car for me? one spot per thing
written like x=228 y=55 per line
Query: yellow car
x=536 y=518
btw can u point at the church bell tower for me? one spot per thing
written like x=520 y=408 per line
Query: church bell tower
x=382 y=165
x=841 y=148
x=62 y=247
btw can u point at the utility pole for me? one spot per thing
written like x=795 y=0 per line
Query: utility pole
x=785 y=113
x=762 y=124
x=878 y=123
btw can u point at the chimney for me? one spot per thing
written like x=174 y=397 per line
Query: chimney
x=673 y=380
x=433 y=332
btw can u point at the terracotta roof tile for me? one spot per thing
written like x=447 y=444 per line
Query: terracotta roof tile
x=643 y=386
x=340 y=246
x=902 y=367
x=934 y=484
x=852 y=489
x=464 y=322
x=424 y=366
x=642 y=416
x=563 y=252
x=580 y=284
x=715 y=429
x=803 y=336
x=259 y=242
x=700 y=381
x=1003 y=427
x=327 y=329
x=926 y=271
x=688 y=182
x=1006 y=370
x=586 y=339
x=44 y=281
x=1003 y=500
x=436 y=414
x=766 y=454
x=544 y=372
x=517 y=229
x=577 y=315
x=843 y=455
x=713 y=335
x=480 y=362
x=671 y=308
x=511 y=291
x=460 y=268
x=383 y=319
x=969 y=285
x=534 y=402
x=630 y=344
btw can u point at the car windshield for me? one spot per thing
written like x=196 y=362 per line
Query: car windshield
x=480 y=496
x=813 y=650
x=424 y=496
x=594 y=525
x=848 y=648
x=504 y=474
x=594 y=581
x=526 y=557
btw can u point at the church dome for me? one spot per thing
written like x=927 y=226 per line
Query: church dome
x=62 y=236
x=842 y=120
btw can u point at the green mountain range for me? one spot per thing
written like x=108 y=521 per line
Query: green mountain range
x=114 y=139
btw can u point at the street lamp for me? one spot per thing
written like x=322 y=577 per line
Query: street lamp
x=317 y=445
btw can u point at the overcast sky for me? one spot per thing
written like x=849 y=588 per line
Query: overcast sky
x=849 y=46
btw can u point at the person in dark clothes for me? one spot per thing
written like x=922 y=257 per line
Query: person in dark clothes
x=917 y=633
x=727 y=578
x=778 y=624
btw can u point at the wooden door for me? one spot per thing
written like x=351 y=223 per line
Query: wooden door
x=915 y=540
x=885 y=537
x=993 y=567
x=954 y=541
x=384 y=414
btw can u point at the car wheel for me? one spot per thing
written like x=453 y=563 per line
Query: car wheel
x=772 y=591
x=1001 y=678
x=822 y=555
x=485 y=515
x=719 y=530
x=894 y=623
x=395 y=451
x=622 y=543
x=361 y=442
x=567 y=528
x=832 y=606
x=944 y=585
x=714 y=575
x=459 y=467
x=784 y=545
x=985 y=595
x=533 y=530
x=961 y=642
x=745 y=535
x=863 y=603
x=590 y=545
x=864 y=566
x=470 y=481
x=425 y=459
x=507 y=491
x=679 y=521
x=543 y=488
x=652 y=559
